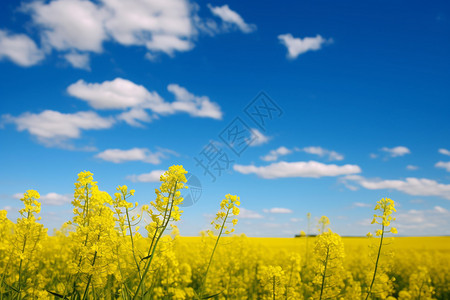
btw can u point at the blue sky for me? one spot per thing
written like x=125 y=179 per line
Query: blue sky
x=360 y=92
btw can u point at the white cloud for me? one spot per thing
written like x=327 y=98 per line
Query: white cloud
x=396 y=151
x=284 y=169
x=297 y=46
x=158 y=25
x=249 y=214
x=440 y=209
x=124 y=94
x=78 y=60
x=55 y=199
x=50 y=198
x=257 y=138
x=70 y=24
x=135 y=154
x=411 y=186
x=444 y=151
x=153 y=176
x=134 y=117
x=360 y=204
x=83 y=26
x=443 y=165
x=52 y=127
x=332 y=155
x=196 y=106
x=275 y=154
x=428 y=221
x=412 y=167
x=231 y=18
x=20 y=49
x=117 y=94
x=373 y=155
x=278 y=210
x=8 y=208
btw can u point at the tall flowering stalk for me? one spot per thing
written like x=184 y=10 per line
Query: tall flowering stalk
x=386 y=207
x=28 y=235
x=308 y=232
x=328 y=263
x=324 y=222
x=273 y=281
x=166 y=205
x=94 y=237
x=228 y=207
x=122 y=209
x=6 y=230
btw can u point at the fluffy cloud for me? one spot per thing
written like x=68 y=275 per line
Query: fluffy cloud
x=396 y=151
x=231 y=18
x=257 y=138
x=61 y=28
x=249 y=214
x=152 y=176
x=164 y=26
x=124 y=94
x=297 y=46
x=412 y=167
x=50 y=198
x=332 y=155
x=20 y=49
x=134 y=117
x=423 y=221
x=284 y=169
x=116 y=94
x=433 y=221
x=275 y=154
x=51 y=127
x=135 y=154
x=78 y=60
x=278 y=210
x=360 y=204
x=440 y=209
x=444 y=151
x=196 y=106
x=160 y=26
x=411 y=186
x=444 y=165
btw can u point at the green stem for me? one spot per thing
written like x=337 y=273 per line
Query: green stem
x=324 y=273
x=212 y=254
x=132 y=241
x=289 y=282
x=376 y=263
x=420 y=290
x=90 y=278
x=4 y=275
x=307 y=240
x=21 y=260
x=85 y=220
x=163 y=228
x=273 y=288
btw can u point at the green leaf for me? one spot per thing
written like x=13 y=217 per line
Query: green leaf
x=57 y=295
x=147 y=257
x=11 y=287
x=211 y=296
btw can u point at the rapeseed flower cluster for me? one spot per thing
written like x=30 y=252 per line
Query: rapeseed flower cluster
x=328 y=266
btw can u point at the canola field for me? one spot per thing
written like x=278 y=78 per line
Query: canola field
x=101 y=254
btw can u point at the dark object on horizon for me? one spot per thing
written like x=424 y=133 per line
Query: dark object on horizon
x=309 y=235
